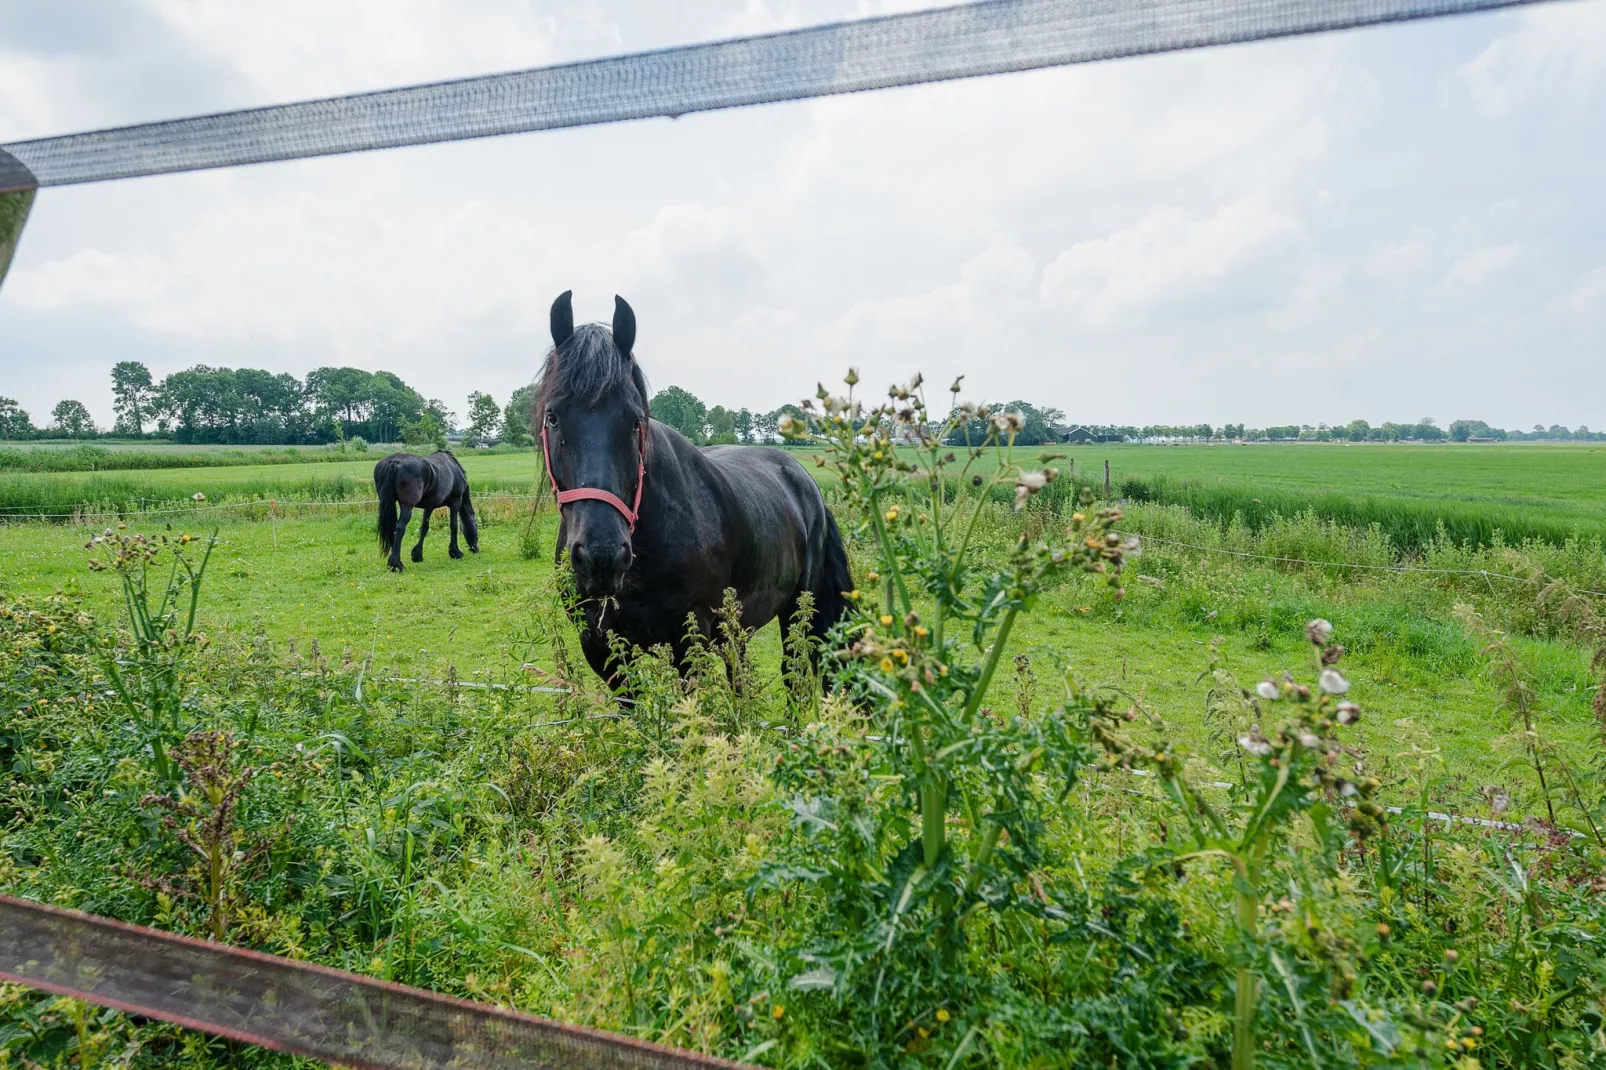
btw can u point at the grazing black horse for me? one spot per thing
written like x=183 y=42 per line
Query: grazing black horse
x=656 y=528
x=425 y=483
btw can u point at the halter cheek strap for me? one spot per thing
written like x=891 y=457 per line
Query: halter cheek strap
x=596 y=494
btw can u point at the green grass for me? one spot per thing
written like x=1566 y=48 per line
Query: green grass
x=1480 y=494
x=322 y=578
x=1549 y=491
x=333 y=480
x=620 y=870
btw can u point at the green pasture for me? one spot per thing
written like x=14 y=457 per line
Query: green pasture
x=321 y=578
x=1414 y=494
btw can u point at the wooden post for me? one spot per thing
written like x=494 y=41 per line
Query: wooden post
x=1106 y=480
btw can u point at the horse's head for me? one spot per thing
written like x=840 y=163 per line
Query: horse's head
x=591 y=409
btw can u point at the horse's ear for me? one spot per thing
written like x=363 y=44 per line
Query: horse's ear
x=624 y=326
x=562 y=318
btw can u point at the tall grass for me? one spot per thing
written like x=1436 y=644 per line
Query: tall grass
x=1410 y=524
x=87 y=458
x=130 y=495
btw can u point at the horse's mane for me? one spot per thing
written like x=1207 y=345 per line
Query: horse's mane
x=588 y=368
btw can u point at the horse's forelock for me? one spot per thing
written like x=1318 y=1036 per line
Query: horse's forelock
x=588 y=368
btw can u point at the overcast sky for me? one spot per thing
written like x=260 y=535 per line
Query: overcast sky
x=1387 y=224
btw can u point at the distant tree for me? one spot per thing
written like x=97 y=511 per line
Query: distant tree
x=426 y=432
x=345 y=393
x=133 y=396
x=1461 y=430
x=14 y=422
x=744 y=425
x=484 y=418
x=516 y=417
x=72 y=419
x=445 y=417
x=721 y=426
x=1358 y=430
x=681 y=410
x=1038 y=429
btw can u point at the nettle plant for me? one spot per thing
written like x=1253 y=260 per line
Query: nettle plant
x=949 y=789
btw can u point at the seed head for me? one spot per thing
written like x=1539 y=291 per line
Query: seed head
x=1332 y=682
x=1268 y=690
x=1319 y=631
x=1255 y=744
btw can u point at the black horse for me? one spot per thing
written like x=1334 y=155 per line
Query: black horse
x=656 y=528
x=425 y=483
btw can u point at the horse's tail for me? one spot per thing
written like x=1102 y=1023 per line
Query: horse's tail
x=385 y=483
x=831 y=596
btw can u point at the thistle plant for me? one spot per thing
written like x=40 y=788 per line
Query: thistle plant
x=921 y=651
x=149 y=679
x=1298 y=769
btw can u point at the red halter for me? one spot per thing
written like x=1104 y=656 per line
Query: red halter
x=630 y=513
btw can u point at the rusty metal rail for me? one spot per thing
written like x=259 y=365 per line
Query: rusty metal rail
x=296 y=1006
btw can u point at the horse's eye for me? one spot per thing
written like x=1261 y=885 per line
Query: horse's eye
x=551 y=418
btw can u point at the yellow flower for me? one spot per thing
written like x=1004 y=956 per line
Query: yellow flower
x=942 y=670
x=921 y=631
x=886 y=620
x=942 y=1016
x=886 y=664
x=892 y=514
x=777 y=1012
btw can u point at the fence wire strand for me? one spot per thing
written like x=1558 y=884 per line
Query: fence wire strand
x=963 y=41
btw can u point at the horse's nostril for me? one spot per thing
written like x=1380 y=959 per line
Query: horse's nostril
x=622 y=559
x=577 y=555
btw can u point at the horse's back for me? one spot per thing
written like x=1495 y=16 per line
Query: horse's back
x=784 y=516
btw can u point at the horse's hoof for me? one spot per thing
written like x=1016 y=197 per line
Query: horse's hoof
x=395 y=566
x=473 y=549
x=456 y=554
x=418 y=557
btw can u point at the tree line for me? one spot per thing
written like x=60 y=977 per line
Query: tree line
x=250 y=406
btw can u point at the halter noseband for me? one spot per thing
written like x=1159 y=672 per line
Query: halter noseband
x=596 y=494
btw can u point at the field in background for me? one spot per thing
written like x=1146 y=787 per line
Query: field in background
x=318 y=576
x=1412 y=493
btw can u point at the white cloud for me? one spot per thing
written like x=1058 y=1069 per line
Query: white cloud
x=1556 y=50
x=1245 y=226
x=1168 y=259
x=1482 y=266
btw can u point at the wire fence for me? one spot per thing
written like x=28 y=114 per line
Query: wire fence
x=962 y=41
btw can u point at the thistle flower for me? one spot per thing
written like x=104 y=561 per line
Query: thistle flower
x=1268 y=690
x=1032 y=481
x=1009 y=422
x=1348 y=713
x=1319 y=631
x=1255 y=744
x=1021 y=494
x=789 y=426
x=1332 y=682
x=852 y=378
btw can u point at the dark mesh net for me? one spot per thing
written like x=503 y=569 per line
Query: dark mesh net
x=294 y=1006
x=957 y=42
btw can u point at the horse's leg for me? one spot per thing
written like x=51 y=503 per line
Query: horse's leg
x=401 y=535
x=423 y=529
x=451 y=511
